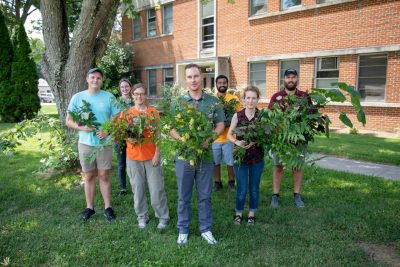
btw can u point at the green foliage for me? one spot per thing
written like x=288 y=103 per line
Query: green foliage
x=6 y=51
x=194 y=127
x=60 y=150
x=22 y=101
x=37 y=47
x=229 y=107
x=117 y=64
x=6 y=57
x=353 y=131
x=84 y=116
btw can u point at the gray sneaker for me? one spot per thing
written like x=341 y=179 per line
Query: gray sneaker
x=274 y=201
x=297 y=200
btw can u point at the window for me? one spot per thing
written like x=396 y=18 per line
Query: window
x=167 y=19
x=257 y=7
x=258 y=77
x=169 y=76
x=207 y=25
x=289 y=64
x=290 y=3
x=324 y=1
x=136 y=27
x=152 y=80
x=327 y=72
x=151 y=23
x=372 y=76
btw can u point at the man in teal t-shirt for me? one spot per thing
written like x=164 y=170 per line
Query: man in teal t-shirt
x=102 y=104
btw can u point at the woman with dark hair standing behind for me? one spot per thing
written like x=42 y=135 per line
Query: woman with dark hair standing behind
x=248 y=171
x=125 y=89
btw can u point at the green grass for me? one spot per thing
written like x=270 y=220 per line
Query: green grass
x=39 y=223
x=50 y=109
x=361 y=147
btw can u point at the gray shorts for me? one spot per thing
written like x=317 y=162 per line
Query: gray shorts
x=101 y=162
x=223 y=151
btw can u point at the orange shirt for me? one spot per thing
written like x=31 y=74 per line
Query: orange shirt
x=146 y=150
x=223 y=136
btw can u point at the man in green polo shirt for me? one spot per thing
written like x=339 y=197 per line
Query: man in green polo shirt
x=202 y=172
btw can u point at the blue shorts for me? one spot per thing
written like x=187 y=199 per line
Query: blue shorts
x=223 y=150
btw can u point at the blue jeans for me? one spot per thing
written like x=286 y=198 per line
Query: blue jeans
x=121 y=156
x=186 y=176
x=248 y=176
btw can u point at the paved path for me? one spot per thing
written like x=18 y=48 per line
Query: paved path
x=356 y=166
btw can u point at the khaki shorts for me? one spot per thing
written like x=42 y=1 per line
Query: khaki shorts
x=101 y=162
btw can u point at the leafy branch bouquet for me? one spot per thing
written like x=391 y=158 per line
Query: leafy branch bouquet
x=194 y=127
x=296 y=121
x=132 y=128
x=229 y=108
x=257 y=131
x=84 y=116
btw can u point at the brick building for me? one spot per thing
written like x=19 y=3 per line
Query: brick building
x=254 y=41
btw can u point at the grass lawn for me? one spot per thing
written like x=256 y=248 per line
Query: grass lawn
x=50 y=109
x=39 y=223
x=361 y=147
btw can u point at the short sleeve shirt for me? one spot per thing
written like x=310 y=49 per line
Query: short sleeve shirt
x=223 y=136
x=278 y=97
x=207 y=104
x=102 y=104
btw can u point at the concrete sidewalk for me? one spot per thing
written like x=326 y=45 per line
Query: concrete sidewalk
x=385 y=171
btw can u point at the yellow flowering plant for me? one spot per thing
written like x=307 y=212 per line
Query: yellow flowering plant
x=194 y=127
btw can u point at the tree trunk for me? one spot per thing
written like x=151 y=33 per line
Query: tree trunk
x=65 y=63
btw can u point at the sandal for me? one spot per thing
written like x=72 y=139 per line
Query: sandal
x=237 y=219
x=251 y=220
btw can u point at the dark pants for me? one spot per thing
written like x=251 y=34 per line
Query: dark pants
x=121 y=156
x=202 y=175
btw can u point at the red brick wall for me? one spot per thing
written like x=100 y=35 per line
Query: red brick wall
x=379 y=119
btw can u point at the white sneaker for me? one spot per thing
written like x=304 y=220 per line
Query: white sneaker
x=142 y=224
x=162 y=225
x=208 y=236
x=182 y=239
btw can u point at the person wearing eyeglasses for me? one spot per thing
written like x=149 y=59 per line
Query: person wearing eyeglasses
x=143 y=164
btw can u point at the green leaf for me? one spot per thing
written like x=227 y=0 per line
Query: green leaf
x=361 y=117
x=335 y=95
x=343 y=117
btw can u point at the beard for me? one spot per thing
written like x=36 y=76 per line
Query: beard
x=222 y=89
x=290 y=87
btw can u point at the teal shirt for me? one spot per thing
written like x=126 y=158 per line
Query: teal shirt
x=102 y=104
x=207 y=104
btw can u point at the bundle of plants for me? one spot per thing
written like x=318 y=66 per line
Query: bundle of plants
x=194 y=127
x=229 y=107
x=257 y=132
x=84 y=116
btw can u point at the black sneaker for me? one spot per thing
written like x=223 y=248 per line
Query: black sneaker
x=109 y=214
x=122 y=193
x=217 y=186
x=231 y=186
x=87 y=214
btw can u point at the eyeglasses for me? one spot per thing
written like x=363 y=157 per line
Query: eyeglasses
x=139 y=94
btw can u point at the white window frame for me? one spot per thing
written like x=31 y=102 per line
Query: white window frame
x=155 y=22
x=137 y=19
x=262 y=10
x=202 y=26
x=164 y=18
x=358 y=74
x=263 y=91
x=318 y=68
x=165 y=76
x=148 y=82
